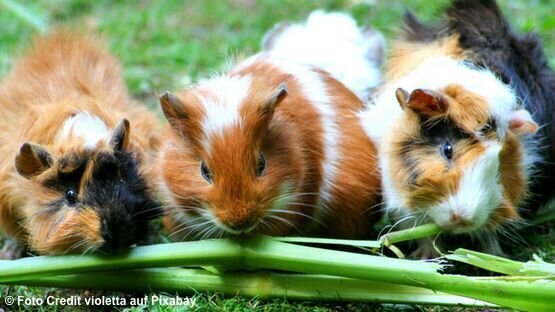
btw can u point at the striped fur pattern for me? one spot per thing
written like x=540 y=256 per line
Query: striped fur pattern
x=74 y=176
x=270 y=147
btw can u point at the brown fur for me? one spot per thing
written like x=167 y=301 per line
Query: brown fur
x=291 y=138
x=63 y=73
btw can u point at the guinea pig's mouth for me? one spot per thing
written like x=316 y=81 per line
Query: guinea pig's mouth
x=238 y=231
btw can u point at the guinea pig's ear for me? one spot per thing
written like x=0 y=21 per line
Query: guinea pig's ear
x=521 y=122
x=32 y=160
x=269 y=105
x=422 y=101
x=120 y=138
x=402 y=97
x=271 y=35
x=173 y=109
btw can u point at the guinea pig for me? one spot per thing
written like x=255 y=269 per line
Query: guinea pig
x=456 y=141
x=484 y=36
x=74 y=176
x=333 y=42
x=271 y=147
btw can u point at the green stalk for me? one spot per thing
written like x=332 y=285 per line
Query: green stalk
x=425 y=230
x=209 y=252
x=260 y=284
x=25 y=15
x=526 y=294
x=537 y=267
x=330 y=241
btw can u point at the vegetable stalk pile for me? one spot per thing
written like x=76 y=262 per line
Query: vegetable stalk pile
x=248 y=267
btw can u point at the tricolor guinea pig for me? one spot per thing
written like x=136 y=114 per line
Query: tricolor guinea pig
x=76 y=151
x=272 y=147
x=457 y=141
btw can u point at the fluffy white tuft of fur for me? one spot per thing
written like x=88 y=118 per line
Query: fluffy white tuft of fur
x=226 y=94
x=86 y=126
x=333 y=42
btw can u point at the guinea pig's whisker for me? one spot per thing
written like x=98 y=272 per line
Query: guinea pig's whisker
x=265 y=225
x=291 y=212
x=212 y=233
x=78 y=245
x=90 y=249
x=293 y=195
x=509 y=230
x=190 y=227
x=206 y=231
x=285 y=221
x=145 y=211
x=373 y=207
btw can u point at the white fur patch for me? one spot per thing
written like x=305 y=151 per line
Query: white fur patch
x=86 y=126
x=478 y=195
x=333 y=42
x=222 y=106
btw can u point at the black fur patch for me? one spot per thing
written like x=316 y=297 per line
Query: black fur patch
x=432 y=135
x=116 y=189
x=518 y=60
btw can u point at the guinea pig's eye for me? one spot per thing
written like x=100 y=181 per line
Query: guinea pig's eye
x=261 y=165
x=205 y=172
x=447 y=150
x=71 y=196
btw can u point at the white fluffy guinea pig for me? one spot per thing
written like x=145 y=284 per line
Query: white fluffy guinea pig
x=271 y=147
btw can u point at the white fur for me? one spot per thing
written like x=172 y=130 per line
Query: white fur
x=478 y=195
x=86 y=126
x=333 y=42
x=222 y=106
x=381 y=120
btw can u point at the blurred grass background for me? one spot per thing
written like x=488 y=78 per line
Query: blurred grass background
x=165 y=45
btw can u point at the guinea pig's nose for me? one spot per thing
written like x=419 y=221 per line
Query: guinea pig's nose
x=242 y=225
x=115 y=240
x=457 y=218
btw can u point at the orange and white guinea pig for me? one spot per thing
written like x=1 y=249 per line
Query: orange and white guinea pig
x=453 y=141
x=272 y=147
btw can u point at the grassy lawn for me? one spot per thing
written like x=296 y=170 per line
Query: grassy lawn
x=169 y=44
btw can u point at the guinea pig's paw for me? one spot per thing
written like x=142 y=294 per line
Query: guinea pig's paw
x=12 y=250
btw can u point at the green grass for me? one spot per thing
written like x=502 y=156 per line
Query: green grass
x=169 y=44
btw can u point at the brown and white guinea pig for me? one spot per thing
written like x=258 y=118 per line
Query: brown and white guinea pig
x=74 y=175
x=271 y=147
x=454 y=140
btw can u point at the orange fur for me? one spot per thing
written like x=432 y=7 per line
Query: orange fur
x=63 y=74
